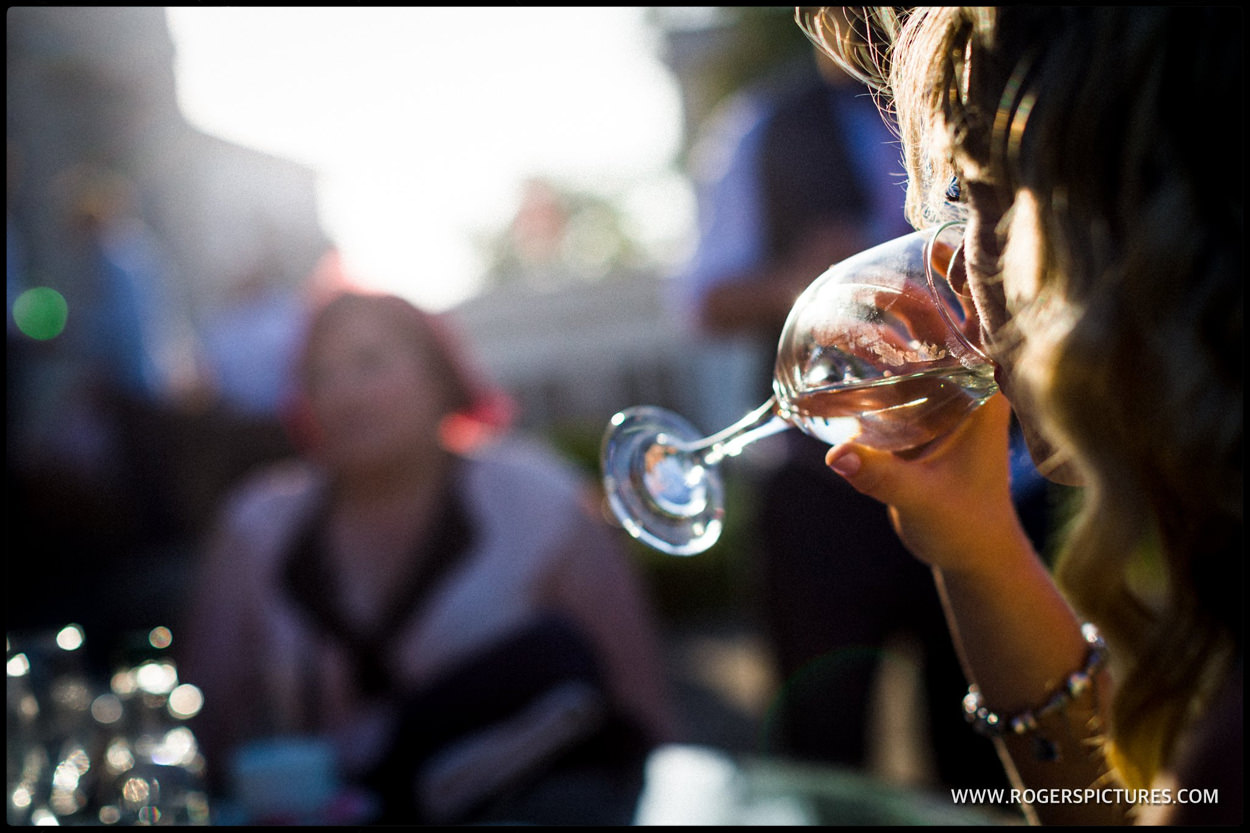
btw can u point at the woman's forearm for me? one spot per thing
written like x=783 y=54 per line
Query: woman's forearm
x=1021 y=643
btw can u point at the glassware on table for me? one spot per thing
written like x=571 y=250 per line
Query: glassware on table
x=81 y=753
x=883 y=348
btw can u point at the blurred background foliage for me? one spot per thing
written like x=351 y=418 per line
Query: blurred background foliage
x=563 y=232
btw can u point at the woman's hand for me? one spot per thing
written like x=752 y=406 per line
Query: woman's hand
x=950 y=503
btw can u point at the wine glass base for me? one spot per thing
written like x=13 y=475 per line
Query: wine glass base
x=661 y=492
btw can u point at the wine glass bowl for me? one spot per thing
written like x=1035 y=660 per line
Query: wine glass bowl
x=883 y=348
x=880 y=348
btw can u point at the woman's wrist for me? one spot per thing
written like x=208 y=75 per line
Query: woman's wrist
x=991 y=547
x=988 y=722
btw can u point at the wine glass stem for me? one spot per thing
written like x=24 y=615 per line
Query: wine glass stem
x=760 y=423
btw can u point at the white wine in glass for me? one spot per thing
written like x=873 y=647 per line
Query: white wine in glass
x=883 y=349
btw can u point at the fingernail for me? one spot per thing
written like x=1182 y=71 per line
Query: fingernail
x=847 y=464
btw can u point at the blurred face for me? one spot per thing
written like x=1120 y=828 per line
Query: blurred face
x=373 y=393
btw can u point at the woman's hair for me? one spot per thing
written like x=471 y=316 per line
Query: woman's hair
x=474 y=409
x=1116 y=133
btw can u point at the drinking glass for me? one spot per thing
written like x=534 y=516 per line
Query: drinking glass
x=883 y=348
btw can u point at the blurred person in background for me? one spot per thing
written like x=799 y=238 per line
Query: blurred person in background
x=798 y=172
x=1088 y=149
x=140 y=356
x=248 y=345
x=428 y=592
x=92 y=414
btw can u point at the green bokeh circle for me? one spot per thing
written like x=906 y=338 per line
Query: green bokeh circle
x=41 y=313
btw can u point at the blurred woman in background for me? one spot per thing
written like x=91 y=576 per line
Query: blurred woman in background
x=427 y=592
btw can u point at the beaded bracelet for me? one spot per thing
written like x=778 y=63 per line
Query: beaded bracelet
x=991 y=724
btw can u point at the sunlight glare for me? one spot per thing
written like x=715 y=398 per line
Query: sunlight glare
x=423 y=122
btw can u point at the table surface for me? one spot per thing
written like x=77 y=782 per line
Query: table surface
x=692 y=785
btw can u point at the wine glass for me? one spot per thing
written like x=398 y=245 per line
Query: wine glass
x=883 y=348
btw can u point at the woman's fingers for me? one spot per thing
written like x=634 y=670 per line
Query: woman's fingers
x=938 y=497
